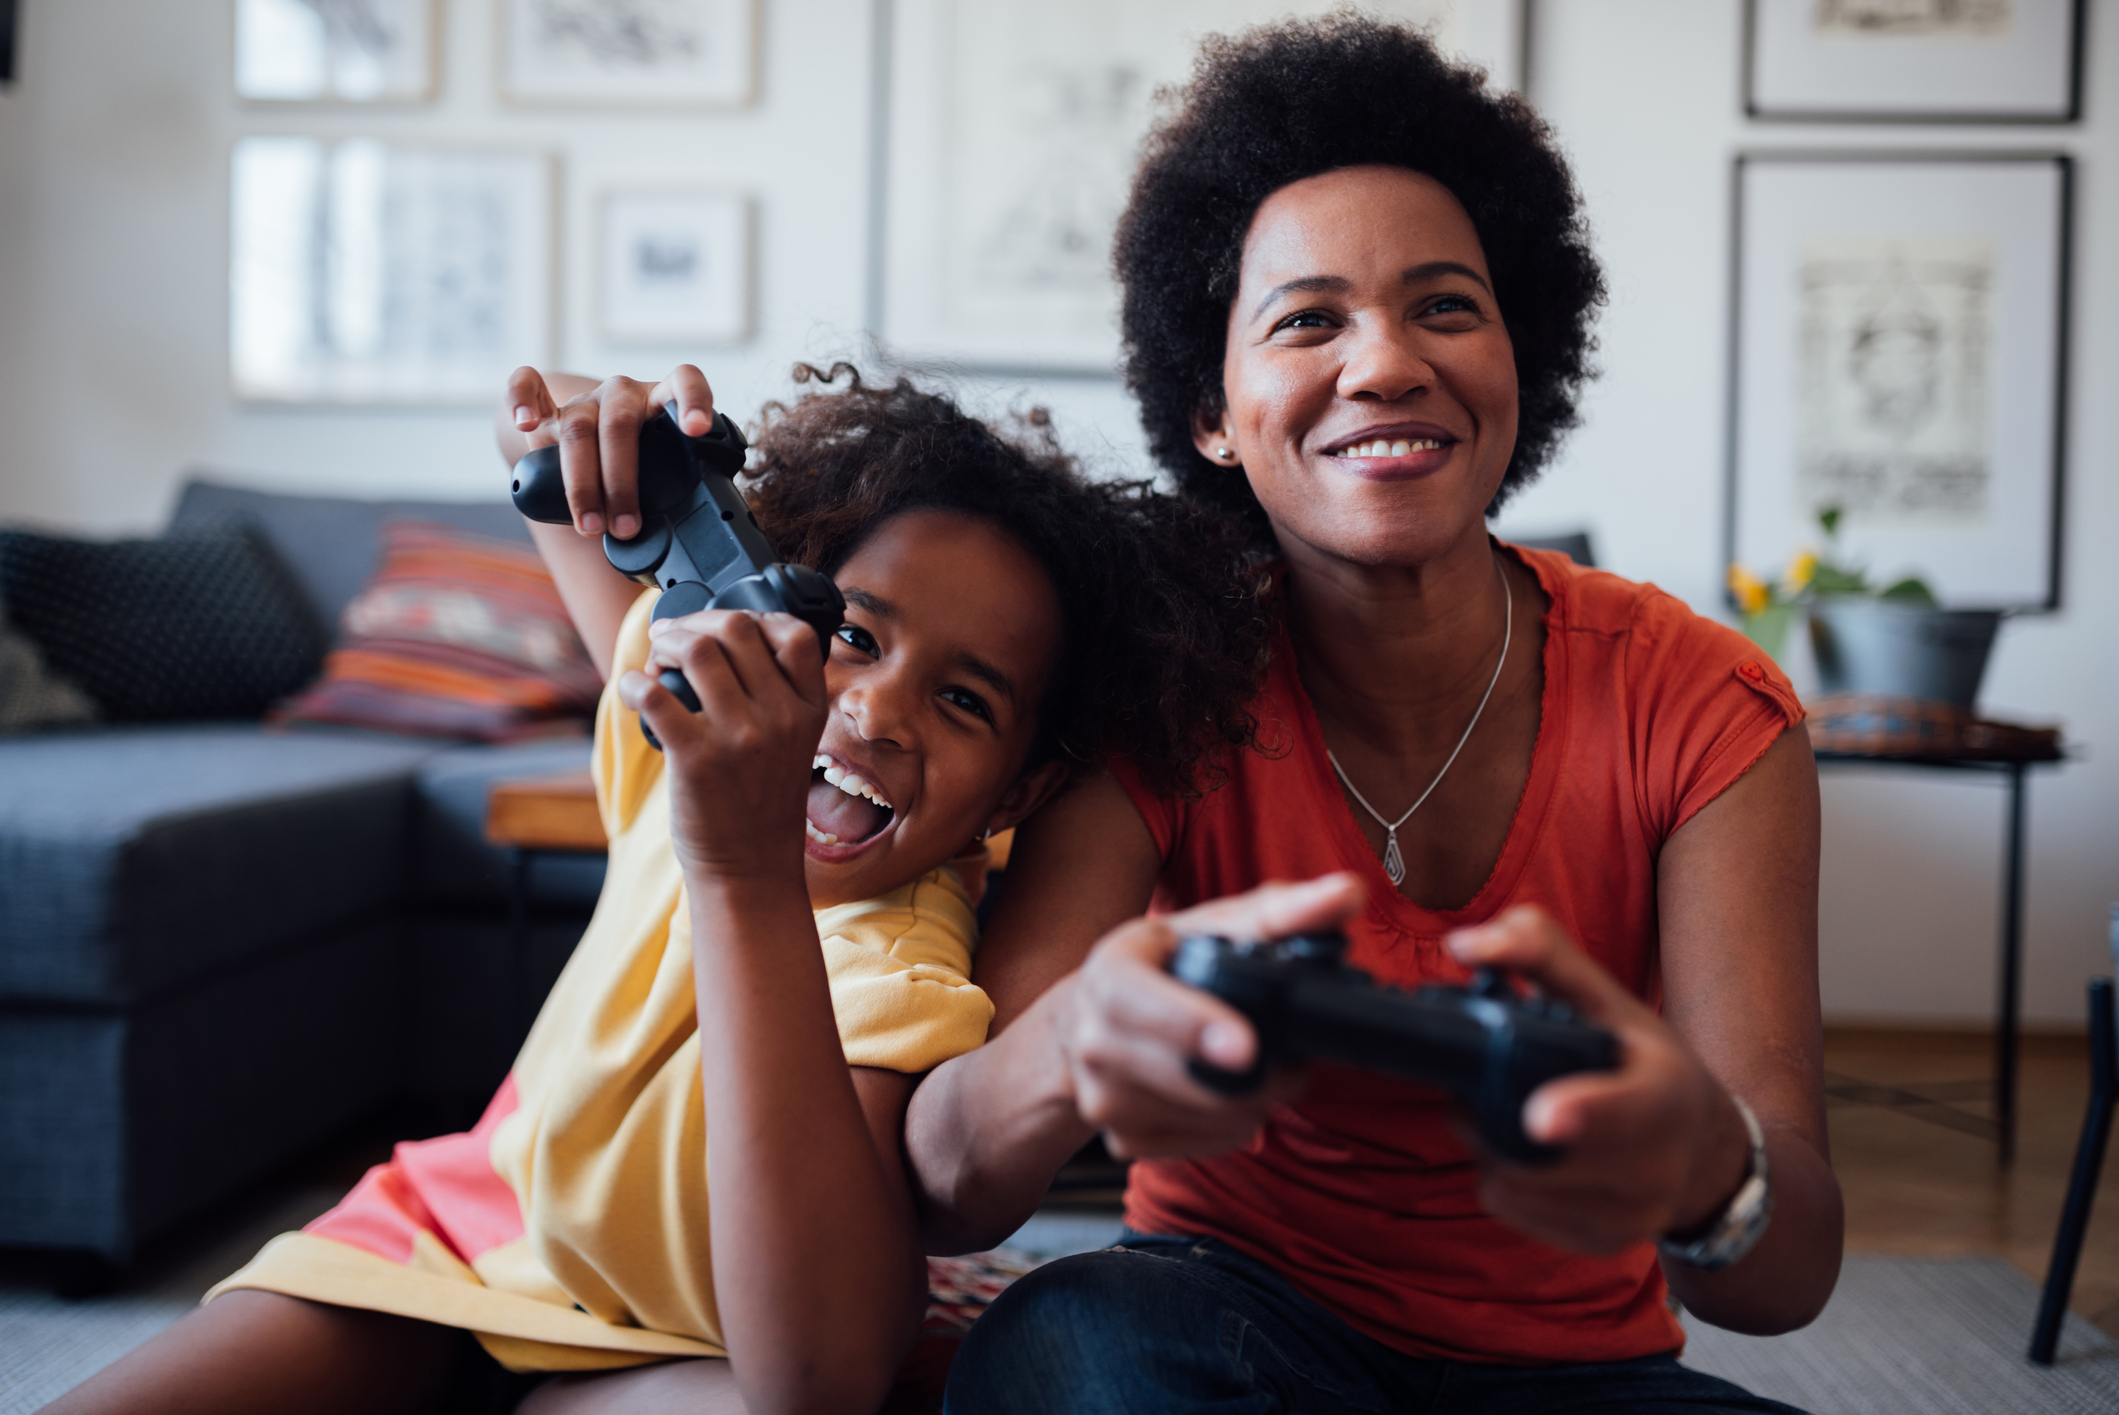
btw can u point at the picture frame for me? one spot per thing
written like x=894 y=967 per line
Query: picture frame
x=364 y=271
x=358 y=52
x=1007 y=132
x=1898 y=348
x=1914 y=61
x=674 y=267
x=629 y=53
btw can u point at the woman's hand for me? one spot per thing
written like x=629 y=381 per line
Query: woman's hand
x=1127 y=1030
x=598 y=432
x=1655 y=1147
x=740 y=766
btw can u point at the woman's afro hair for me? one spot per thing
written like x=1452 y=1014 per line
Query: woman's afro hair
x=1163 y=627
x=1283 y=102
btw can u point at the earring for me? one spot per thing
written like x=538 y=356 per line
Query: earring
x=1225 y=453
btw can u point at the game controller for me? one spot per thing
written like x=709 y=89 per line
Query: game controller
x=1486 y=1044
x=698 y=541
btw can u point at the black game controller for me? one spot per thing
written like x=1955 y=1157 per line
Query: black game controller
x=698 y=542
x=1486 y=1044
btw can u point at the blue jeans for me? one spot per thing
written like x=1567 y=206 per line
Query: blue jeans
x=1175 y=1324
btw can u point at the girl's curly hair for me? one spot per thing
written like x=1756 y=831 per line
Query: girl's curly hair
x=1163 y=629
x=1283 y=102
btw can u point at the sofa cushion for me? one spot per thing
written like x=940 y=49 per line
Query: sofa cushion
x=330 y=543
x=455 y=864
x=456 y=636
x=134 y=859
x=201 y=624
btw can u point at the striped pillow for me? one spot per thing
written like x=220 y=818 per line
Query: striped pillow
x=455 y=635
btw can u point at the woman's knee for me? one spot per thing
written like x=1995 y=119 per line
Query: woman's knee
x=1076 y=1333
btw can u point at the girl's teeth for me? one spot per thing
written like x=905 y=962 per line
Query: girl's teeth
x=849 y=782
x=820 y=836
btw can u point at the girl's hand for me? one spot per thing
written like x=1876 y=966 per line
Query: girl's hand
x=740 y=766
x=598 y=433
x=1127 y=1029
x=1655 y=1147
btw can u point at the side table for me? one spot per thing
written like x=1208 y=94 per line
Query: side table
x=2013 y=764
x=530 y=817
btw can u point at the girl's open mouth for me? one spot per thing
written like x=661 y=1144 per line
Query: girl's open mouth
x=845 y=810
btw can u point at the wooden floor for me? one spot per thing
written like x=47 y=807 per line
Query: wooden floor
x=1916 y=1183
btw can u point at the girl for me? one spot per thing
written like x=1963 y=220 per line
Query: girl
x=783 y=944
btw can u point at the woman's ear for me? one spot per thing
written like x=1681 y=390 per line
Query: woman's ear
x=1214 y=439
x=1024 y=795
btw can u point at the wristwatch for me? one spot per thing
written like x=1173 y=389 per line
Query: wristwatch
x=1738 y=1228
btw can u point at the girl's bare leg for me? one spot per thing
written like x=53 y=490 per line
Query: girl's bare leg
x=704 y=1387
x=260 y=1353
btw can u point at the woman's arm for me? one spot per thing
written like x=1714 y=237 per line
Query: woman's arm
x=597 y=427
x=1659 y=1146
x=1088 y=1039
x=815 y=1250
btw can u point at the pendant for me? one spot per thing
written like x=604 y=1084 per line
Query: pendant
x=1393 y=862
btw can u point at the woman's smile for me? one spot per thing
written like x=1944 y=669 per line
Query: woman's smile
x=1394 y=451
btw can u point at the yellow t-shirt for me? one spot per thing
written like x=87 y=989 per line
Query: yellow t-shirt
x=603 y=1148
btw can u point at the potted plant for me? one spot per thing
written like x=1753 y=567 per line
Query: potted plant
x=1895 y=641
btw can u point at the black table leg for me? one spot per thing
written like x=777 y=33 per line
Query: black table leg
x=2089 y=1162
x=2011 y=981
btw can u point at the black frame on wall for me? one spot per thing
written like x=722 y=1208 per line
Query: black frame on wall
x=2063 y=295
x=7 y=41
x=2077 y=25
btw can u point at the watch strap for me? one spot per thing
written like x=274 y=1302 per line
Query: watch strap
x=1738 y=1228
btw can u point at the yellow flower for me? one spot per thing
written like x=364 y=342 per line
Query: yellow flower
x=1750 y=591
x=1801 y=569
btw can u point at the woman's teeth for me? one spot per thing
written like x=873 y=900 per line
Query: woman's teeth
x=822 y=837
x=1400 y=448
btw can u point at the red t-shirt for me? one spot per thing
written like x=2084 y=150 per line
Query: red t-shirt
x=1358 y=1193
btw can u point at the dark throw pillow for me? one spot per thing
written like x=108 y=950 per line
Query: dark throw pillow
x=199 y=625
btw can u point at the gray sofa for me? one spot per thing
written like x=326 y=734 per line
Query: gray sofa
x=221 y=944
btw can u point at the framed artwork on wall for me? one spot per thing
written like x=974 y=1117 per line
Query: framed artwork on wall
x=674 y=267
x=629 y=53
x=1914 y=61
x=361 y=271
x=336 y=51
x=1008 y=135
x=1898 y=350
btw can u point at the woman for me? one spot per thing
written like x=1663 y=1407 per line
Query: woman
x=1357 y=301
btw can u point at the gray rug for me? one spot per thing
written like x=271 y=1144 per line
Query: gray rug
x=1912 y=1336
x=1902 y=1336
x=49 y=1345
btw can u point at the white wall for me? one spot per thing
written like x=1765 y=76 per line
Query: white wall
x=1645 y=95
x=114 y=150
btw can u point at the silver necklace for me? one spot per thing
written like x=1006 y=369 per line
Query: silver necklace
x=1393 y=862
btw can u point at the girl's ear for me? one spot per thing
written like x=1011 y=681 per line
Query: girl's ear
x=1024 y=795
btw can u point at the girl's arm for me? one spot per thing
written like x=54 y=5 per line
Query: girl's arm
x=815 y=1255
x=597 y=427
